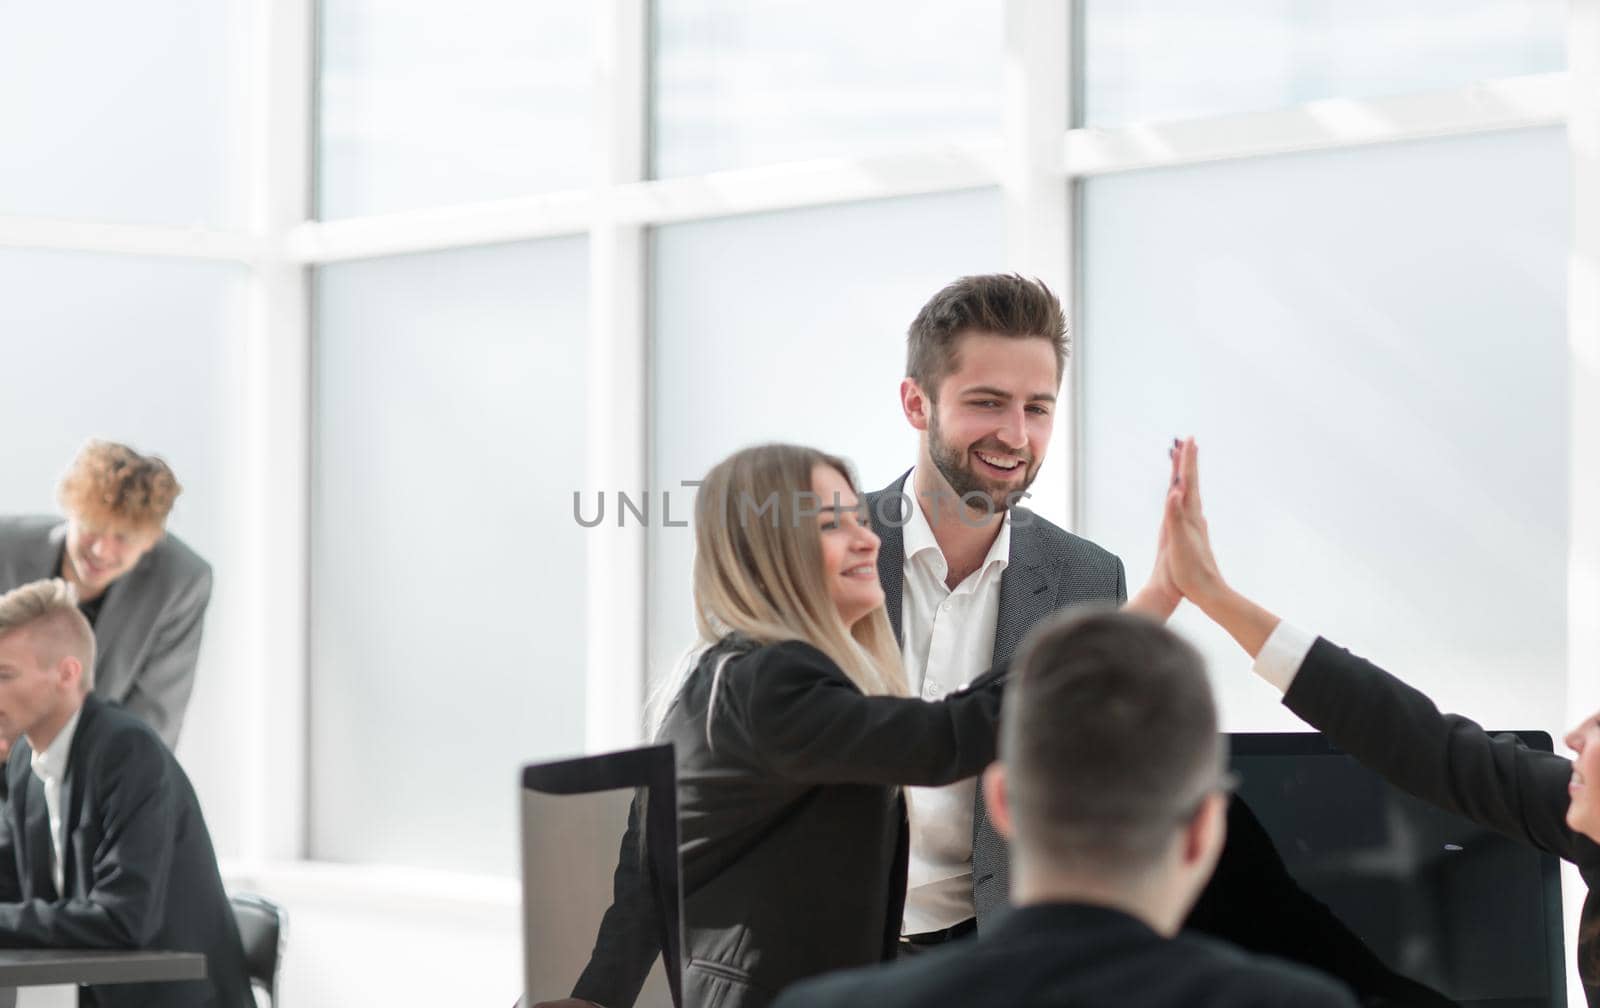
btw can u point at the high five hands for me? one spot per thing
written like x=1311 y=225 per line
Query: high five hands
x=1183 y=551
x=1185 y=541
x=1185 y=566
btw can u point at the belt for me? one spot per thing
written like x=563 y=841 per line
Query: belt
x=949 y=934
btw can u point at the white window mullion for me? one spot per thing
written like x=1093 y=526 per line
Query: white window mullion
x=1583 y=328
x=617 y=407
x=1509 y=103
x=1038 y=205
x=1583 y=339
x=270 y=603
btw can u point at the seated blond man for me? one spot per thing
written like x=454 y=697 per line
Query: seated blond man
x=143 y=591
x=102 y=844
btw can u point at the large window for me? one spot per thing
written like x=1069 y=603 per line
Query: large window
x=1370 y=345
x=420 y=106
x=740 y=84
x=125 y=112
x=1160 y=60
x=447 y=573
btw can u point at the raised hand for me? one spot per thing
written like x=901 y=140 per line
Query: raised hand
x=1160 y=595
x=1191 y=566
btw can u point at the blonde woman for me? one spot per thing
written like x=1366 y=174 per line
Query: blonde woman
x=793 y=734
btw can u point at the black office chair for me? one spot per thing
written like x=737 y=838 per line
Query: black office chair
x=263 y=928
x=573 y=815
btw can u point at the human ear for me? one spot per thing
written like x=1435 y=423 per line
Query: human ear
x=916 y=403
x=1203 y=837
x=994 y=799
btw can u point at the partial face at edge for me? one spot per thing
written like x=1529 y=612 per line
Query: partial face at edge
x=32 y=689
x=1583 y=812
x=989 y=429
x=849 y=547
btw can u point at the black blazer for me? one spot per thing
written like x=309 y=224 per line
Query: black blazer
x=1450 y=761
x=138 y=867
x=1064 y=954
x=792 y=830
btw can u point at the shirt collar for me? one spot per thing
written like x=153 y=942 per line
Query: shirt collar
x=917 y=535
x=52 y=763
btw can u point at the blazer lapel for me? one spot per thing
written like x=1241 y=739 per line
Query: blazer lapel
x=887 y=515
x=69 y=790
x=124 y=597
x=38 y=849
x=1026 y=594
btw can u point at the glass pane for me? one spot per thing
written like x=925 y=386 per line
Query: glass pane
x=148 y=360
x=119 y=112
x=791 y=327
x=447 y=572
x=1370 y=345
x=740 y=84
x=420 y=105
x=1154 y=60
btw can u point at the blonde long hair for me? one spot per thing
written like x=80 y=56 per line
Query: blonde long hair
x=758 y=566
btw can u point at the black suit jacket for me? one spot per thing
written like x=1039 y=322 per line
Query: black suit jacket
x=138 y=866
x=147 y=636
x=1059 y=955
x=1450 y=761
x=792 y=829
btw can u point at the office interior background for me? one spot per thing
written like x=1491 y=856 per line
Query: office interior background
x=402 y=289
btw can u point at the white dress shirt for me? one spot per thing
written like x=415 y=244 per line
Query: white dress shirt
x=947 y=641
x=1283 y=654
x=51 y=767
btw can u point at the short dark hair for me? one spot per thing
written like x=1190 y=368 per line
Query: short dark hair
x=1109 y=737
x=1002 y=304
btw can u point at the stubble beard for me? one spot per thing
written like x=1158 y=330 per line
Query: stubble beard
x=952 y=465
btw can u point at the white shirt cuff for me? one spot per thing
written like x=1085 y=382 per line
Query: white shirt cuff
x=1282 y=655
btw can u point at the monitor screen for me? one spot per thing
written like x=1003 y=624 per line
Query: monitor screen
x=1471 y=913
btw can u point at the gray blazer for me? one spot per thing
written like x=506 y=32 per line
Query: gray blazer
x=148 y=634
x=1049 y=569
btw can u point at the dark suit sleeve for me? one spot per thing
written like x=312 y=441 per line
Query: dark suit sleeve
x=1295 y=989
x=133 y=820
x=10 y=884
x=159 y=693
x=806 y=721
x=1445 y=759
x=628 y=943
x=843 y=989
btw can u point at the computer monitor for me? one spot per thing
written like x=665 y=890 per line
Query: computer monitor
x=574 y=815
x=1471 y=913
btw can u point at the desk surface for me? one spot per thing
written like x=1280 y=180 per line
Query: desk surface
x=35 y=967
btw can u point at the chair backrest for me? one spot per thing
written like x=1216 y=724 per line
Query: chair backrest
x=574 y=815
x=263 y=928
